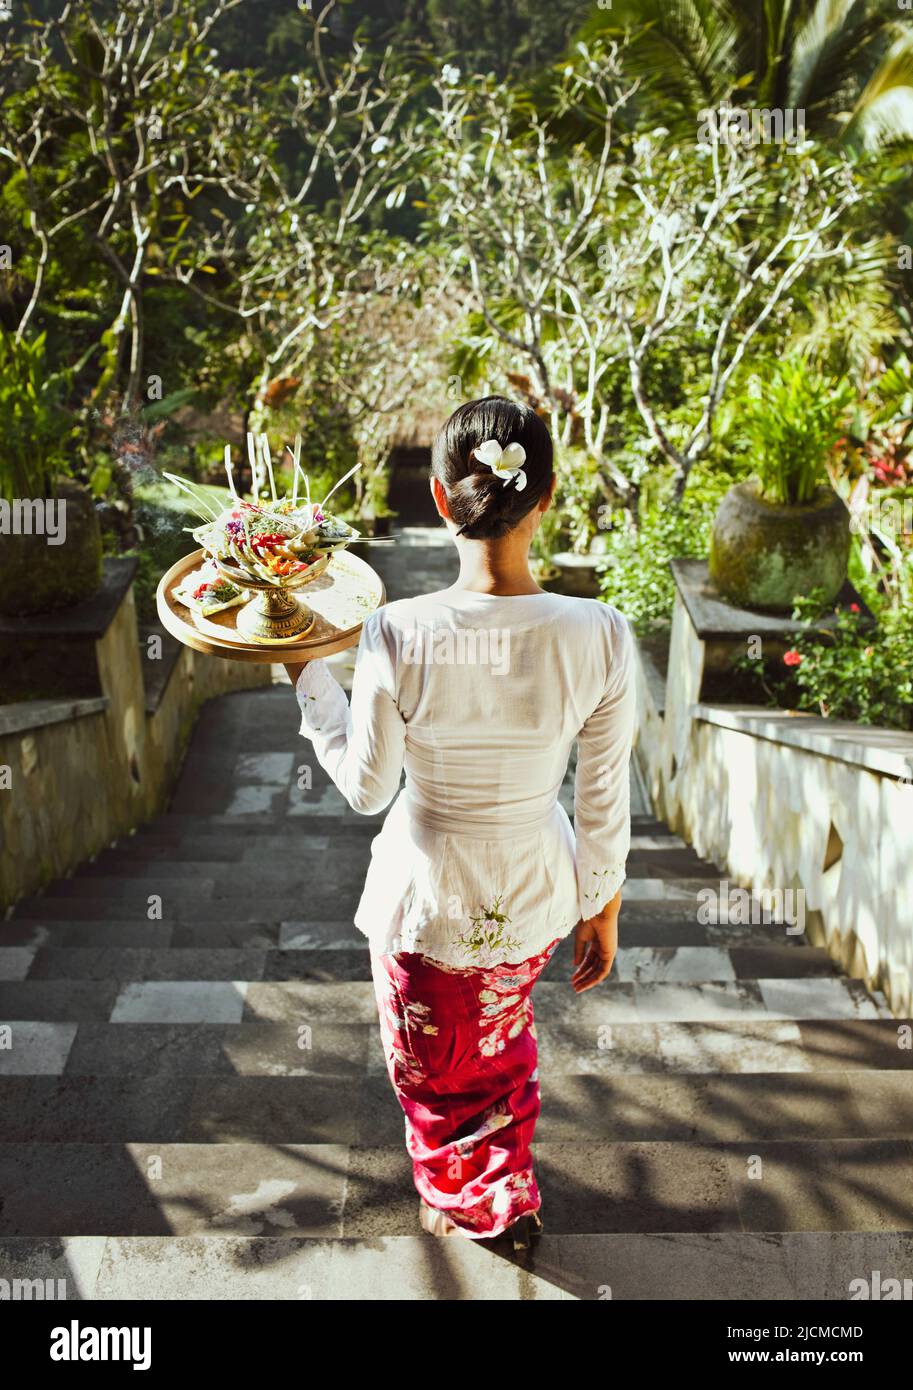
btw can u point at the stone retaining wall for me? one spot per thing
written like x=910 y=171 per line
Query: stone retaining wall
x=76 y=774
x=786 y=802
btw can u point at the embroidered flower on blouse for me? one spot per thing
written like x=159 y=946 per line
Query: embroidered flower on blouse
x=601 y=875
x=488 y=930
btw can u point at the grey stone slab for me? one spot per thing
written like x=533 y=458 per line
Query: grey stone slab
x=19 y=718
x=651 y=934
x=380 y=1120
x=782 y=1105
x=88 y=933
x=711 y=1001
x=275 y=1109
x=186 y=885
x=68 y=1269
x=609 y=1003
x=57 y=1000
x=877 y=1045
x=587 y=1049
x=177 y=907
x=270 y=1268
x=883 y=1102
x=309 y=1002
x=648 y=890
x=381 y=1199
x=95 y=1109
x=181 y=1189
x=817 y=999
x=151 y=1049
x=762 y=1045
x=113 y=865
x=275 y=769
x=91 y=618
x=620 y=1107
x=321 y=935
x=15 y=962
x=713 y=617
x=255 y=800
x=352 y=963
x=684 y=964
x=299 y=1048
x=130 y=963
x=180 y=1001
x=785 y=1267
x=33 y=1048
x=837 y=1185
x=225 y=934
x=780 y=961
x=249 y=1049
x=594 y=1187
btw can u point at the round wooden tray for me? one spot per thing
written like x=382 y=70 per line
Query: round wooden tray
x=341 y=598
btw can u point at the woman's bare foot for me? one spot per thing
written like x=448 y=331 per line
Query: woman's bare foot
x=436 y=1223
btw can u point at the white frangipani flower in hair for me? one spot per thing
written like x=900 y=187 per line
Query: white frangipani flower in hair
x=504 y=463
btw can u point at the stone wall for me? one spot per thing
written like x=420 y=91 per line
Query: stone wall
x=784 y=802
x=76 y=774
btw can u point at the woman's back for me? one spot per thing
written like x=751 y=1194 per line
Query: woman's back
x=493 y=690
x=478 y=697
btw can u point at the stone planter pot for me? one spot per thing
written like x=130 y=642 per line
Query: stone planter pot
x=577 y=574
x=545 y=574
x=39 y=577
x=763 y=554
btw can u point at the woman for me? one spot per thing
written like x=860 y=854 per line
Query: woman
x=479 y=691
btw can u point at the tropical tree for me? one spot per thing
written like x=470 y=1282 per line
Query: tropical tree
x=848 y=64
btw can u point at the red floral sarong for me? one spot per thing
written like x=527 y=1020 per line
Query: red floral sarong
x=460 y=1046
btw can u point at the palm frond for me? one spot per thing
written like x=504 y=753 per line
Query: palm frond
x=829 y=49
x=883 y=113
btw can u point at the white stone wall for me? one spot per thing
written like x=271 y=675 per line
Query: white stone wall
x=777 y=816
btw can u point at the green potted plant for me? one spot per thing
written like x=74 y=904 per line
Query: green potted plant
x=50 y=540
x=784 y=531
x=578 y=547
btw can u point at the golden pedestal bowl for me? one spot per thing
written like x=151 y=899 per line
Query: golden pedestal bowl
x=274 y=615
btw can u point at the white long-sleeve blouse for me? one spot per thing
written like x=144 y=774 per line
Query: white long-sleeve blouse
x=480 y=697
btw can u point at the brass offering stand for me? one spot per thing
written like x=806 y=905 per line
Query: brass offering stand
x=274 y=616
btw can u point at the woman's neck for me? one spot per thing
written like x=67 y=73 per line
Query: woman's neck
x=493 y=568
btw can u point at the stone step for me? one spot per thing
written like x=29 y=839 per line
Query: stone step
x=329 y=1048
x=336 y=1190
x=176 y=825
x=258 y=887
x=206 y=858
x=692 y=1266
x=181 y=904
x=363 y=1110
x=236 y=998
x=654 y=928
x=791 y=1266
x=297 y=959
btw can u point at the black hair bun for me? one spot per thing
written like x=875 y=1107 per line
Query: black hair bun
x=484 y=506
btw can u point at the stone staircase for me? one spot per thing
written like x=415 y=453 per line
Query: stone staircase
x=195 y=1103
